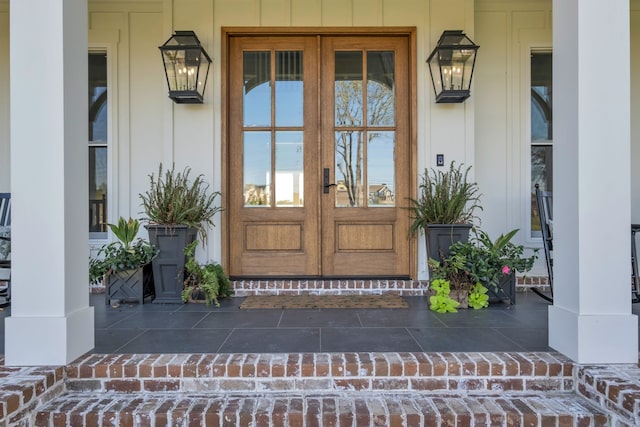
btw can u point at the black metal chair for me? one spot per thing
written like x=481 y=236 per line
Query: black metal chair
x=5 y=224
x=635 y=279
x=544 y=201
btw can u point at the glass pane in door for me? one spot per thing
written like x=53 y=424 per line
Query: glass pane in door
x=289 y=89
x=348 y=89
x=257 y=169
x=289 y=169
x=380 y=89
x=381 y=169
x=349 y=169
x=257 y=88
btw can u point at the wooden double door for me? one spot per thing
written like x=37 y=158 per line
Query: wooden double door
x=319 y=156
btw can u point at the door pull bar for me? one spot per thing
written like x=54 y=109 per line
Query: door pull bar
x=327 y=177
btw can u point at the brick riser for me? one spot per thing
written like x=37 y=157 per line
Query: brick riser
x=322 y=372
x=399 y=389
x=345 y=287
x=343 y=410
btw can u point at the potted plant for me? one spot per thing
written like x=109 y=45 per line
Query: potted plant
x=124 y=264
x=204 y=282
x=452 y=270
x=494 y=263
x=444 y=208
x=177 y=210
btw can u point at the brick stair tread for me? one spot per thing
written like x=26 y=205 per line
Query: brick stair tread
x=346 y=408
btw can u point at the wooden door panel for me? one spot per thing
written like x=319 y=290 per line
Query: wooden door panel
x=270 y=236
x=364 y=237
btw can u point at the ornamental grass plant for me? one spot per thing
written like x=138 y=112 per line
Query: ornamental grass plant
x=173 y=199
x=444 y=198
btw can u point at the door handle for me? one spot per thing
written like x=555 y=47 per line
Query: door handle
x=327 y=176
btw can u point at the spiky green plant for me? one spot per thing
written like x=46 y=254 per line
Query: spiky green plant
x=173 y=198
x=444 y=198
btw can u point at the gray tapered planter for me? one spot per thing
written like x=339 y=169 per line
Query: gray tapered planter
x=440 y=237
x=168 y=266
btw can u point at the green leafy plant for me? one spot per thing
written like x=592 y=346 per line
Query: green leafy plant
x=208 y=279
x=127 y=253
x=478 y=297
x=451 y=269
x=488 y=261
x=173 y=198
x=444 y=198
x=441 y=302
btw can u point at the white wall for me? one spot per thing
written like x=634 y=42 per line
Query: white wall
x=506 y=32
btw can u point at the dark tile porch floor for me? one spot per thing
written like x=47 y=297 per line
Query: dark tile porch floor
x=197 y=328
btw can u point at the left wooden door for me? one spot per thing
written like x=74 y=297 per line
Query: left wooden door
x=274 y=154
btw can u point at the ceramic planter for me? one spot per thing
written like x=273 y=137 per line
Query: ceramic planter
x=168 y=266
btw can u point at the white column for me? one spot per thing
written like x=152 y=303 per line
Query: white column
x=591 y=320
x=51 y=322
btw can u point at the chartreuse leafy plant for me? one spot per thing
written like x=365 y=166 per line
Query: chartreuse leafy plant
x=210 y=278
x=128 y=253
x=478 y=297
x=441 y=302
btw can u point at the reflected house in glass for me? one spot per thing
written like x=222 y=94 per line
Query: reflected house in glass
x=381 y=195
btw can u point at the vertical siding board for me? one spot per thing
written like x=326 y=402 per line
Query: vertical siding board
x=306 y=13
x=275 y=13
x=337 y=13
x=147 y=95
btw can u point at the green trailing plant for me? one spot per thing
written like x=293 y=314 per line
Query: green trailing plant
x=478 y=297
x=441 y=302
x=208 y=279
x=444 y=198
x=173 y=198
x=127 y=253
x=488 y=261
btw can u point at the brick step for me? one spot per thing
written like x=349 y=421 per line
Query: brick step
x=245 y=288
x=321 y=372
x=344 y=409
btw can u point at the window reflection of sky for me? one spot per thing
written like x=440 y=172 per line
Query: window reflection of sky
x=289 y=93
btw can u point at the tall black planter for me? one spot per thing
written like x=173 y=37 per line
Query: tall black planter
x=168 y=266
x=440 y=237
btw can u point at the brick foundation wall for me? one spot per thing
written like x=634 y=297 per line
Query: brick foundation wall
x=614 y=387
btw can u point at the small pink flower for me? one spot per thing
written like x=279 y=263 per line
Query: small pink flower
x=506 y=269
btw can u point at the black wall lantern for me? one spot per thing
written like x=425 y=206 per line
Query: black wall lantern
x=186 y=65
x=451 y=66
